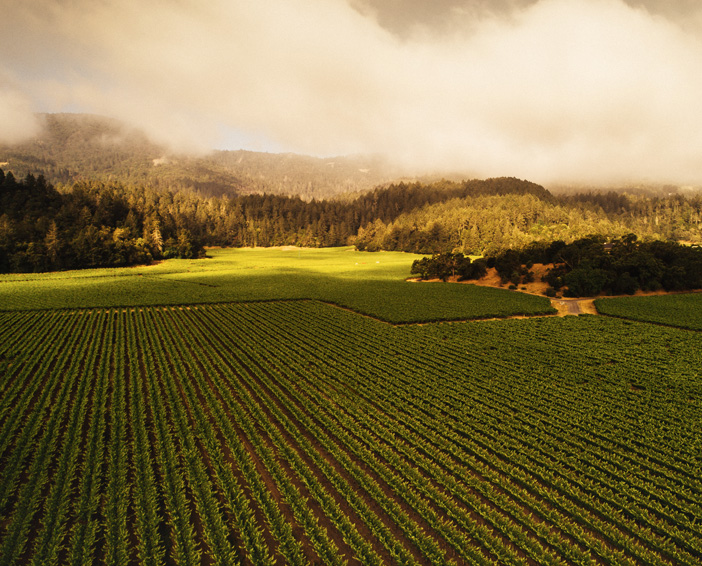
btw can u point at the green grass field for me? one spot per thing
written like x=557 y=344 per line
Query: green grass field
x=370 y=283
x=683 y=310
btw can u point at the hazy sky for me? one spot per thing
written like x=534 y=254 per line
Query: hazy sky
x=549 y=90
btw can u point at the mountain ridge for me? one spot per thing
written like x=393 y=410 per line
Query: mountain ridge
x=79 y=147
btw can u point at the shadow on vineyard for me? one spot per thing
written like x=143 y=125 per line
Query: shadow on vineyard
x=370 y=283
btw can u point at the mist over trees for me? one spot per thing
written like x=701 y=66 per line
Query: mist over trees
x=84 y=147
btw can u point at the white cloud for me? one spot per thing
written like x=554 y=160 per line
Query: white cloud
x=560 y=90
x=17 y=120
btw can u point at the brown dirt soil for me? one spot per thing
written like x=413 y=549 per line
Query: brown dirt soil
x=537 y=287
x=561 y=306
x=492 y=279
x=588 y=306
x=574 y=306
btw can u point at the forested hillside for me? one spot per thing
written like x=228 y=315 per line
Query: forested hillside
x=92 y=224
x=82 y=147
x=42 y=229
x=489 y=223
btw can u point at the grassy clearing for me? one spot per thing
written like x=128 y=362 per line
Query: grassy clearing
x=371 y=283
x=682 y=310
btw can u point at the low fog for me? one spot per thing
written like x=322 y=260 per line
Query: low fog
x=589 y=91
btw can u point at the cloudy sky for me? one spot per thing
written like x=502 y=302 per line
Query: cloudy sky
x=549 y=90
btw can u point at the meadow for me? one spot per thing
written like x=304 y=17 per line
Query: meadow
x=255 y=422
x=370 y=283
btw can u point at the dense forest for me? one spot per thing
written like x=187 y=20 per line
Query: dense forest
x=91 y=223
x=487 y=224
x=42 y=229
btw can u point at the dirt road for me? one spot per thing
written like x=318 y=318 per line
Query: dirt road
x=574 y=306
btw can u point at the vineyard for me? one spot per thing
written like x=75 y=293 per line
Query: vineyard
x=369 y=283
x=294 y=432
x=681 y=309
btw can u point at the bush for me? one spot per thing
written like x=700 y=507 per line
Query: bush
x=472 y=270
x=625 y=284
x=584 y=282
x=445 y=265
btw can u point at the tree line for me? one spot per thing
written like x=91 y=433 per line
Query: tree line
x=589 y=266
x=584 y=268
x=42 y=229
x=91 y=224
x=487 y=224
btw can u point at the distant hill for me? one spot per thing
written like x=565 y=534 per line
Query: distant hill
x=74 y=147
